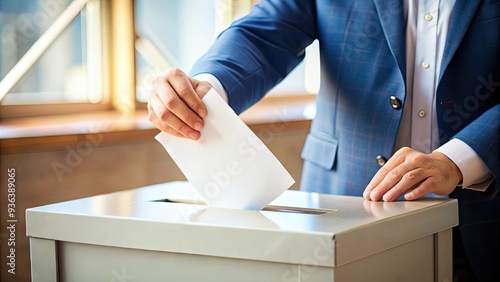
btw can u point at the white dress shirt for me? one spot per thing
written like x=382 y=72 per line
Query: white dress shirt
x=426 y=31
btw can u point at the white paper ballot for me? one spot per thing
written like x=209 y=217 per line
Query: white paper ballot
x=229 y=166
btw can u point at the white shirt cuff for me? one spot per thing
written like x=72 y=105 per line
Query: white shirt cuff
x=475 y=174
x=216 y=85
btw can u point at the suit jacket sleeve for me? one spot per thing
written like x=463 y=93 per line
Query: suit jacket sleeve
x=483 y=136
x=257 y=52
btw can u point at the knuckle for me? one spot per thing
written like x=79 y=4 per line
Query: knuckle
x=407 y=149
x=169 y=74
x=170 y=71
x=184 y=129
x=402 y=154
x=163 y=115
x=395 y=174
x=185 y=93
x=205 y=86
x=410 y=175
x=384 y=171
x=171 y=102
x=420 y=158
x=173 y=72
x=190 y=119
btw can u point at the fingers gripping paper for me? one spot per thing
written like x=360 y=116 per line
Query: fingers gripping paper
x=229 y=166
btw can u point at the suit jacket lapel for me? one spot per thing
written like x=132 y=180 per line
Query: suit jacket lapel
x=463 y=12
x=391 y=14
x=392 y=20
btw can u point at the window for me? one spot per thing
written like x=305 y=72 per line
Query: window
x=58 y=76
x=21 y=24
x=67 y=56
x=52 y=52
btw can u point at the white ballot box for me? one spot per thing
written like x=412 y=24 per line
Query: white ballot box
x=163 y=233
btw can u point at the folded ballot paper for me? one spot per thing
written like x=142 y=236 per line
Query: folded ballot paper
x=228 y=166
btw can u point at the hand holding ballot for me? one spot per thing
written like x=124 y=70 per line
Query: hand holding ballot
x=175 y=104
x=228 y=164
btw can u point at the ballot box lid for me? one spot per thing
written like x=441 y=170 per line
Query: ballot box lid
x=298 y=227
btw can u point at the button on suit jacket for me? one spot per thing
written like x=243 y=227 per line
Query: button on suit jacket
x=363 y=64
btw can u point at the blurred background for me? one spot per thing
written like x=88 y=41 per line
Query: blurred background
x=74 y=81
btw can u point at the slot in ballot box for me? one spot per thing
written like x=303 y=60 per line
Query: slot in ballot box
x=163 y=233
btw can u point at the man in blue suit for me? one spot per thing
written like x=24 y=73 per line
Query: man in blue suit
x=408 y=105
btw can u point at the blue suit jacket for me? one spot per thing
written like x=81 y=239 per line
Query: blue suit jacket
x=362 y=45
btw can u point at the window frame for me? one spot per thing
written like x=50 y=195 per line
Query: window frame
x=109 y=23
